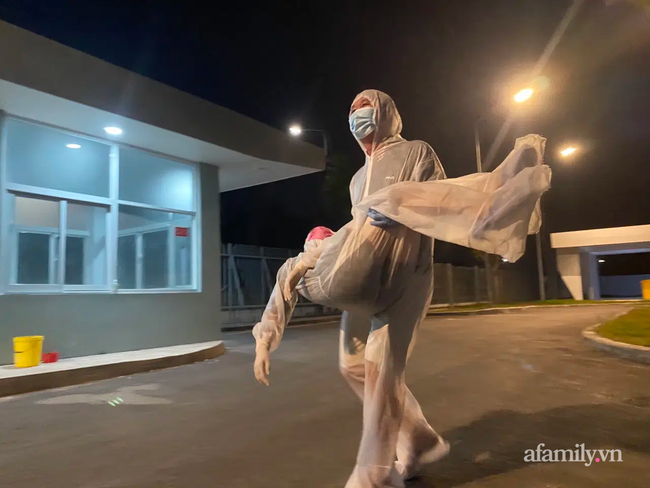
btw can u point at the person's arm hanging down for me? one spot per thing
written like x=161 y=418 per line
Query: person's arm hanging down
x=268 y=332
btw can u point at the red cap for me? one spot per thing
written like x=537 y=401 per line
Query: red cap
x=319 y=233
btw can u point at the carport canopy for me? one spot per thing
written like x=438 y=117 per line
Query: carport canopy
x=578 y=252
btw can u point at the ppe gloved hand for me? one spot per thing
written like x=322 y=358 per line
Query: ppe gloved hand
x=380 y=220
x=294 y=278
x=262 y=367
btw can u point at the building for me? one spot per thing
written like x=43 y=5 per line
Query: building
x=579 y=253
x=109 y=200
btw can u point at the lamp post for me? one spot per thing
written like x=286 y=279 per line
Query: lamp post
x=296 y=131
x=520 y=97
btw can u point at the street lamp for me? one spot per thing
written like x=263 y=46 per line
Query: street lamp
x=568 y=151
x=296 y=131
x=523 y=95
x=520 y=97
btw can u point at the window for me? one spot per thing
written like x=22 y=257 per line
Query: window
x=81 y=215
x=42 y=157
x=155 y=181
x=86 y=253
x=154 y=249
x=35 y=255
x=36 y=227
x=33 y=230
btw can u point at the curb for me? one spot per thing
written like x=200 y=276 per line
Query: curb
x=59 y=379
x=632 y=352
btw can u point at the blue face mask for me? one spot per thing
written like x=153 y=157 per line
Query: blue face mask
x=362 y=122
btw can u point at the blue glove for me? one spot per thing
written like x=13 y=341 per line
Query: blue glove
x=381 y=221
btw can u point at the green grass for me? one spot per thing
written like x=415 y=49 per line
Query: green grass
x=632 y=328
x=484 y=306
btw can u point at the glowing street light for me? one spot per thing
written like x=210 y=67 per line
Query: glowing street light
x=568 y=151
x=296 y=131
x=523 y=95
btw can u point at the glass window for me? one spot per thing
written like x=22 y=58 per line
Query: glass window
x=86 y=250
x=155 y=246
x=33 y=263
x=126 y=262
x=34 y=227
x=74 y=260
x=183 y=259
x=60 y=186
x=154 y=249
x=47 y=158
x=152 y=180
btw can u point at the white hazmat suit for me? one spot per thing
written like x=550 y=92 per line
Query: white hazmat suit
x=383 y=278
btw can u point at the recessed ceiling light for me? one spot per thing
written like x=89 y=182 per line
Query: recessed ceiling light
x=112 y=130
x=72 y=146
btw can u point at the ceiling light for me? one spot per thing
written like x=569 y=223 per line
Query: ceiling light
x=112 y=130
x=72 y=146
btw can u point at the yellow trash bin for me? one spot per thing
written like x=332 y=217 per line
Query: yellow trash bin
x=645 y=287
x=28 y=351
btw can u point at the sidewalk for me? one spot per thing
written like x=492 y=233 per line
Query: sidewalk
x=74 y=371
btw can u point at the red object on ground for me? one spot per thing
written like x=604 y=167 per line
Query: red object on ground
x=319 y=233
x=50 y=357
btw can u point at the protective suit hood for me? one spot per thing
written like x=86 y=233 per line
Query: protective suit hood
x=387 y=118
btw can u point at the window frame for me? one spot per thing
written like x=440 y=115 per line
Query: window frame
x=54 y=235
x=138 y=233
x=9 y=232
x=62 y=232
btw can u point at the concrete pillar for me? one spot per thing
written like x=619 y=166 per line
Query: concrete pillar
x=591 y=276
x=568 y=264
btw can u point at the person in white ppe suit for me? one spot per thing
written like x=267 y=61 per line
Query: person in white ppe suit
x=377 y=330
x=378 y=269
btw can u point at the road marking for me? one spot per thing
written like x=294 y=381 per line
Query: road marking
x=124 y=396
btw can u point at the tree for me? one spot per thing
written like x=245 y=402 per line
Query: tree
x=491 y=260
x=336 y=190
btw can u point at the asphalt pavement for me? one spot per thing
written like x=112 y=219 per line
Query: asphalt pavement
x=494 y=386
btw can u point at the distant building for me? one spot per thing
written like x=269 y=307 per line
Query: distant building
x=109 y=200
x=579 y=253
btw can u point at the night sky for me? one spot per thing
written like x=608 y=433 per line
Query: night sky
x=445 y=63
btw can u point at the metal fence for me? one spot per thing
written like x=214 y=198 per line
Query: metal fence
x=248 y=276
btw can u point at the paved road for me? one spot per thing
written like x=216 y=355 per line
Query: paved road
x=494 y=385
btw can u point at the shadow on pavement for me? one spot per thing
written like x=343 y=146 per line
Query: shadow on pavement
x=496 y=443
